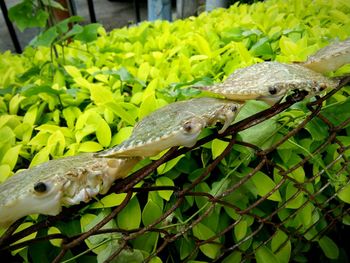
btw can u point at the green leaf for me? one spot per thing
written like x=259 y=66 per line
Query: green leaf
x=217 y=147
x=89 y=147
x=281 y=246
x=32 y=89
x=88 y=34
x=294 y=200
x=100 y=94
x=122 y=135
x=305 y=214
x=5 y=172
x=45 y=39
x=234 y=257
x=11 y=156
x=151 y=212
x=125 y=256
x=344 y=194
x=233 y=34
x=118 y=110
x=329 y=248
x=63 y=26
x=77 y=29
x=166 y=167
x=202 y=232
x=317 y=129
x=130 y=217
x=263 y=134
x=26 y=15
x=54 y=242
x=23 y=132
x=262 y=48
x=298 y=174
x=155 y=260
x=42 y=156
x=73 y=71
x=110 y=200
x=165 y=181
x=265 y=255
x=240 y=230
x=26 y=238
x=103 y=133
x=265 y=185
x=186 y=247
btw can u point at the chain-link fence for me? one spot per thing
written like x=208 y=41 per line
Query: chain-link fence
x=289 y=198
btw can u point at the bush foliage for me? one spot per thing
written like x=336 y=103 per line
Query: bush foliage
x=91 y=94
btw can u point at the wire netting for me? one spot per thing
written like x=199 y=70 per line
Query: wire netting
x=288 y=195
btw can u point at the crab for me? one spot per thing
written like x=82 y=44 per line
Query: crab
x=45 y=188
x=270 y=81
x=330 y=57
x=177 y=124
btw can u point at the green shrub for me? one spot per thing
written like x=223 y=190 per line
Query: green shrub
x=90 y=95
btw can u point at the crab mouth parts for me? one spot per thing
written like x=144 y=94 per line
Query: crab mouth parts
x=83 y=195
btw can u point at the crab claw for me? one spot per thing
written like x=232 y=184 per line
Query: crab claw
x=228 y=114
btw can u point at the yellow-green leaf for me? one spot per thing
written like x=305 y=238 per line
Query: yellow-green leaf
x=202 y=232
x=100 y=94
x=5 y=172
x=55 y=242
x=265 y=255
x=265 y=185
x=217 y=147
x=110 y=200
x=122 y=135
x=103 y=133
x=11 y=156
x=28 y=237
x=344 y=194
x=89 y=147
x=165 y=181
x=72 y=71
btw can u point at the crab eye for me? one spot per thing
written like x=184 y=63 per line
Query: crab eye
x=40 y=187
x=233 y=108
x=272 y=90
x=322 y=86
x=187 y=126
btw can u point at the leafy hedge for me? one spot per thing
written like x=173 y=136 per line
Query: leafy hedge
x=90 y=95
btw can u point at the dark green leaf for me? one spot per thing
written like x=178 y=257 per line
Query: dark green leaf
x=63 y=26
x=33 y=89
x=26 y=15
x=88 y=33
x=45 y=39
x=330 y=249
x=31 y=72
x=317 y=129
x=74 y=31
x=262 y=49
x=265 y=255
x=234 y=257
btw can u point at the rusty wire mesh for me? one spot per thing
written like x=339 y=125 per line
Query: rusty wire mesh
x=330 y=210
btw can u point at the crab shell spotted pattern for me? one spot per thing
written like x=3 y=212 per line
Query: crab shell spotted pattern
x=330 y=58
x=270 y=81
x=177 y=124
x=45 y=188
